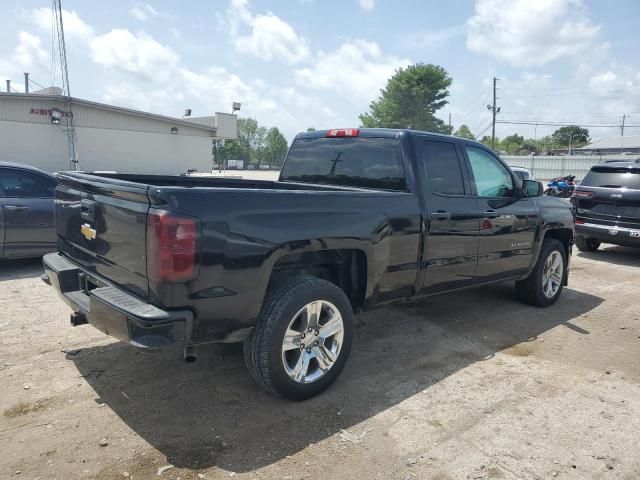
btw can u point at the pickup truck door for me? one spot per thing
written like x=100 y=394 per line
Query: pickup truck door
x=27 y=206
x=508 y=221
x=452 y=219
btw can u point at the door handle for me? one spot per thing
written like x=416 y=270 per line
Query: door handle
x=490 y=214
x=17 y=208
x=440 y=215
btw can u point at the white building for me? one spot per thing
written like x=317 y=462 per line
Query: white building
x=612 y=146
x=33 y=131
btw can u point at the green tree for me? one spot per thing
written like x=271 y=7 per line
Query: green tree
x=464 y=132
x=249 y=144
x=570 y=135
x=311 y=129
x=511 y=144
x=486 y=141
x=410 y=99
x=276 y=147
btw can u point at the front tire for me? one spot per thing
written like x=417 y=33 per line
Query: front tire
x=302 y=339
x=586 y=244
x=544 y=285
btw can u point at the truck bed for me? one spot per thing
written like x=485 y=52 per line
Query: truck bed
x=243 y=228
x=203 y=182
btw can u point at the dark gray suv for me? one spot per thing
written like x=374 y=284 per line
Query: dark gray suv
x=607 y=205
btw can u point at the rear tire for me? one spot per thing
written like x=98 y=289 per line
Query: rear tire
x=544 y=285
x=586 y=244
x=292 y=335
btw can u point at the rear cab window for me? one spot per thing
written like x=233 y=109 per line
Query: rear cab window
x=362 y=162
x=443 y=168
x=613 y=178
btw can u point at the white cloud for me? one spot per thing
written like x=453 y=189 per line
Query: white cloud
x=138 y=13
x=356 y=70
x=144 y=11
x=367 y=5
x=29 y=53
x=530 y=33
x=139 y=54
x=433 y=38
x=28 y=56
x=75 y=29
x=269 y=37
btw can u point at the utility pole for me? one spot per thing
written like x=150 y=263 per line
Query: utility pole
x=624 y=116
x=66 y=92
x=494 y=110
x=450 y=131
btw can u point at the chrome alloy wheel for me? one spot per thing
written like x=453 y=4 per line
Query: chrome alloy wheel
x=312 y=341
x=552 y=274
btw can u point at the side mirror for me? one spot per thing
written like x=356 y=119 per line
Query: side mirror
x=532 y=188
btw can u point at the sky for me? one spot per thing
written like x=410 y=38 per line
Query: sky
x=309 y=63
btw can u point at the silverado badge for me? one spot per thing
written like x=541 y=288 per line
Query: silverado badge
x=88 y=232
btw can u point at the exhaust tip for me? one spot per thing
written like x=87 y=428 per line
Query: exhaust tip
x=190 y=355
x=78 y=318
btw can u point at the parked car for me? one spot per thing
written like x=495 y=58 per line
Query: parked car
x=607 y=205
x=358 y=218
x=26 y=211
x=523 y=173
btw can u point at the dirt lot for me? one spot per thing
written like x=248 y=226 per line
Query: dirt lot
x=471 y=385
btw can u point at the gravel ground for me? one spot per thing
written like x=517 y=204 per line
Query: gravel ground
x=470 y=385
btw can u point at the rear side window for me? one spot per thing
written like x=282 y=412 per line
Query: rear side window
x=356 y=162
x=443 y=168
x=16 y=183
x=613 y=178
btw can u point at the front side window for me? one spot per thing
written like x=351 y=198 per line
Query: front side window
x=443 y=168
x=16 y=183
x=491 y=177
x=355 y=162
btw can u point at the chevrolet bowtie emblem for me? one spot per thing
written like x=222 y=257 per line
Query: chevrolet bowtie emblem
x=88 y=232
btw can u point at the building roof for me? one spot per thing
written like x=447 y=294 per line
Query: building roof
x=617 y=143
x=112 y=108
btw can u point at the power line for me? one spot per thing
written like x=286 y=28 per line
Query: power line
x=620 y=91
x=487 y=128
x=554 y=124
x=36 y=83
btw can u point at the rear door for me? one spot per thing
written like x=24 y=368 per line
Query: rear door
x=610 y=196
x=27 y=206
x=451 y=244
x=508 y=222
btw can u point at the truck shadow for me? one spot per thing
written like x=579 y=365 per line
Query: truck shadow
x=212 y=413
x=16 y=269
x=614 y=254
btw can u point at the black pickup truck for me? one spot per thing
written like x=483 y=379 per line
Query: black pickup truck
x=357 y=219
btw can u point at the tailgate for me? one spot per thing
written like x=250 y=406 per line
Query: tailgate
x=101 y=225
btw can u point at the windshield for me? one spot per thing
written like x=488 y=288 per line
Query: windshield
x=613 y=178
x=356 y=162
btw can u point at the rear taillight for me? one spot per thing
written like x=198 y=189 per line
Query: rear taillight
x=343 y=132
x=172 y=243
x=579 y=221
x=582 y=194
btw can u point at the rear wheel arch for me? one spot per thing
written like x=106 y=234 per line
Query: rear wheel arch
x=345 y=268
